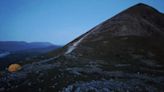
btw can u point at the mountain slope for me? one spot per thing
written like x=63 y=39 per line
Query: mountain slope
x=132 y=37
x=122 y=54
x=138 y=22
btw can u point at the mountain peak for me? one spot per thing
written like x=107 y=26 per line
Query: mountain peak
x=141 y=4
x=141 y=8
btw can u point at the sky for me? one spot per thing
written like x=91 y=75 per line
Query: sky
x=58 y=21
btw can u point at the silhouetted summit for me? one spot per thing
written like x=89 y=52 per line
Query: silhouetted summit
x=146 y=12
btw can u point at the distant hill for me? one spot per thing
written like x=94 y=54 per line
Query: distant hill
x=13 y=46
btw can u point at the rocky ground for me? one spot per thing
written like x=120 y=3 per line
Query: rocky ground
x=96 y=76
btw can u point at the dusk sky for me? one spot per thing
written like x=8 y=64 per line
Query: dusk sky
x=58 y=21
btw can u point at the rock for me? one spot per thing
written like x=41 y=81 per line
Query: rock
x=2 y=89
x=29 y=84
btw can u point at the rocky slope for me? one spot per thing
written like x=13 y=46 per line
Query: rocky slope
x=122 y=54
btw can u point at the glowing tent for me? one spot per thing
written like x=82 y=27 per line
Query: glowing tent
x=14 y=67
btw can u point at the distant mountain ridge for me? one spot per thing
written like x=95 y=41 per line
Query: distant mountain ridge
x=21 y=45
